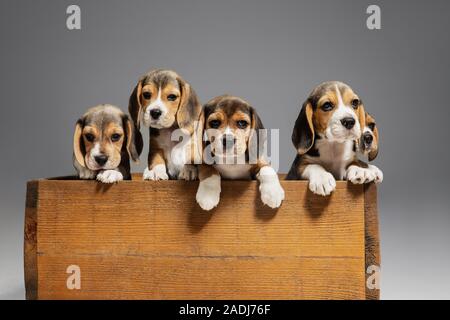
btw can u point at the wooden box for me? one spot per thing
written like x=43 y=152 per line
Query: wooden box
x=150 y=240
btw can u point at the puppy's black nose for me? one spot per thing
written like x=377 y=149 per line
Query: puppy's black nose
x=368 y=138
x=348 y=123
x=101 y=160
x=155 y=113
x=228 y=141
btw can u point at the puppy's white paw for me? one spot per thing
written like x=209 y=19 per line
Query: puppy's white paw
x=207 y=199
x=188 y=173
x=377 y=172
x=208 y=193
x=86 y=174
x=272 y=194
x=358 y=175
x=322 y=183
x=110 y=176
x=157 y=173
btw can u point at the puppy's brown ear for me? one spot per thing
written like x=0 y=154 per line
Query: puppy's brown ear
x=361 y=117
x=374 y=153
x=135 y=106
x=257 y=139
x=79 y=150
x=134 y=146
x=303 y=133
x=256 y=120
x=189 y=109
x=198 y=142
x=135 y=109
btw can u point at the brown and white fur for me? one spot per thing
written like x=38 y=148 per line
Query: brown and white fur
x=231 y=126
x=103 y=144
x=369 y=145
x=325 y=135
x=164 y=102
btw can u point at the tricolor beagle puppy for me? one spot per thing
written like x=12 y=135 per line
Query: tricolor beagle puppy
x=164 y=102
x=326 y=135
x=368 y=145
x=233 y=151
x=103 y=144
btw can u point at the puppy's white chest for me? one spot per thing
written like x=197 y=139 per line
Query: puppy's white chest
x=174 y=152
x=234 y=171
x=335 y=157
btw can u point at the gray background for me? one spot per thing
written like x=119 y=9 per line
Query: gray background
x=271 y=53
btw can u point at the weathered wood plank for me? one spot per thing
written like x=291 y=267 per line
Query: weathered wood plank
x=30 y=241
x=372 y=237
x=195 y=278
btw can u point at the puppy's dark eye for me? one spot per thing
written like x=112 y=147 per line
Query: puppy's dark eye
x=242 y=124
x=327 y=106
x=147 y=95
x=355 y=103
x=371 y=126
x=214 y=124
x=89 y=137
x=172 y=97
x=115 y=137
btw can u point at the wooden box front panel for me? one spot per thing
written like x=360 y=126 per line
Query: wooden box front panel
x=150 y=240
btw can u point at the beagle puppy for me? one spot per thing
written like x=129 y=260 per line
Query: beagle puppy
x=233 y=150
x=165 y=103
x=325 y=135
x=103 y=144
x=368 y=145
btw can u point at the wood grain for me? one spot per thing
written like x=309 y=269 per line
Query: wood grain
x=372 y=237
x=150 y=240
x=30 y=241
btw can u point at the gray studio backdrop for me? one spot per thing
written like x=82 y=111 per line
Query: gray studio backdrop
x=271 y=53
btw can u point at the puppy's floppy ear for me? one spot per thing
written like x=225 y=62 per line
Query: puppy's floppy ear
x=198 y=142
x=135 y=109
x=303 y=133
x=189 y=109
x=374 y=153
x=256 y=120
x=256 y=139
x=135 y=106
x=361 y=117
x=79 y=150
x=202 y=141
x=134 y=146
